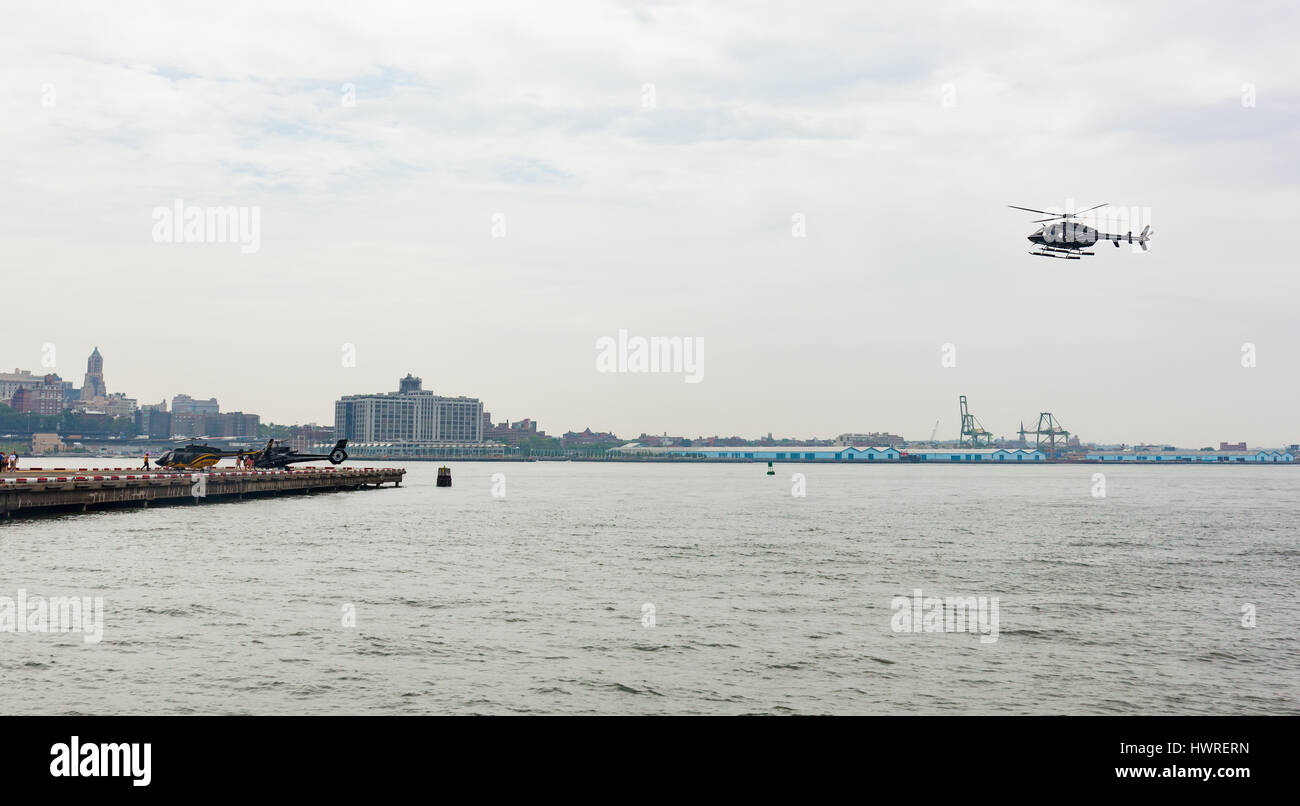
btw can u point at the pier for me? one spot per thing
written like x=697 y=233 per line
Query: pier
x=45 y=491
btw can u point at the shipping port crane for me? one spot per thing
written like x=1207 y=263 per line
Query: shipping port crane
x=972 y=432
x=1050 y=436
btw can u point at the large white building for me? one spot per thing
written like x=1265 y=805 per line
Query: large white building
x=11 y=382
x=119 y=405
x=411 y=416
x=184 y=404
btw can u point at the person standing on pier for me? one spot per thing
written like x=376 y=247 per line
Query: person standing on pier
x=13 y=461
x=145 y=466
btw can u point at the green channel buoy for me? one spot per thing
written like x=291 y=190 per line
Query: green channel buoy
x=770 y=471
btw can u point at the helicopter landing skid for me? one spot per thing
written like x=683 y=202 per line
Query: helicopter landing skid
x=1062 y=255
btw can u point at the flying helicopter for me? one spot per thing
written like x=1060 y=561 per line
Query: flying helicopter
x=277 y=455
x=194 y=456
x=1067 y=239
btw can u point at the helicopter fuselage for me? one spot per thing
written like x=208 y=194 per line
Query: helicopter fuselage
x=192 y=457
x=281 y=456
x=1068 y=235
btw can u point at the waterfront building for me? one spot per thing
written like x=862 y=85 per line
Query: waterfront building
x=663 y=441
x=230 y=424
x=11 y=382
x=184 y=404
x=1172 y=455
x=508 y=432
x=411 y=415
x=185 y=425
x=119 y=405
x=796 y=453
x=716 y=441
x=854 y=454
x=154 y=421
x=70 y=394
x=878 y=453
x=579 y=439
x=46 y=443
x=46 y=398
x=310 y=438
x=963 y=454
x=873 y=438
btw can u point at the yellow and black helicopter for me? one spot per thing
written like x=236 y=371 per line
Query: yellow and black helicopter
x=194 y=456
x=275 y=456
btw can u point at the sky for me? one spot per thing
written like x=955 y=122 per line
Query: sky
x=813 y=194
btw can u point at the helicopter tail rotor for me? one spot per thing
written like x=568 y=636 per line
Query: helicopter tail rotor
x=1144 y=237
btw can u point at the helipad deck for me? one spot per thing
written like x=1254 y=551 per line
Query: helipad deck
x=47 y=490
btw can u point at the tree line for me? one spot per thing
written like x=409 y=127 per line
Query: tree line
x=65 y=422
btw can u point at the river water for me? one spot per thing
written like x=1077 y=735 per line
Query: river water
x=577 y=588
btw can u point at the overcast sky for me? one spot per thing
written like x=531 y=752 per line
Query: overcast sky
x=379 y=141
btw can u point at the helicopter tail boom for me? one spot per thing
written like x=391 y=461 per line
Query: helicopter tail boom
x=1141 y=240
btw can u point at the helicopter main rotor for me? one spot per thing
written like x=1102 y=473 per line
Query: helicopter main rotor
x=1056 y=216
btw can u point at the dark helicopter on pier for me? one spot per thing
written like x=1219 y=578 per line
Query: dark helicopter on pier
x=194 y=456
x=1067 y=239
x=278 y=456
x=275 y=456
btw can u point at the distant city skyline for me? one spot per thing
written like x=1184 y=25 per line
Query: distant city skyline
x=818 y=197
x=478 y=425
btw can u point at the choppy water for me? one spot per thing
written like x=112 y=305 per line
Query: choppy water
x=763 y=602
